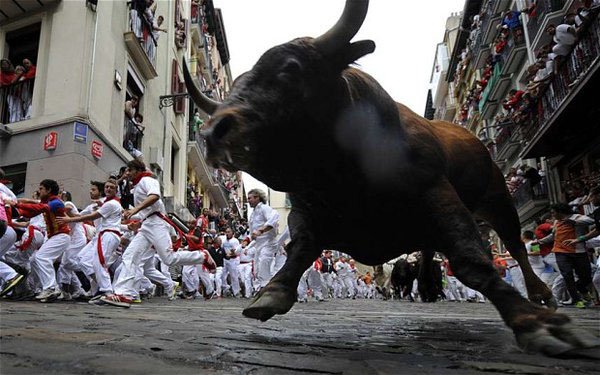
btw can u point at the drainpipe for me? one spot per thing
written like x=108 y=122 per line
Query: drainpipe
x=91 y=84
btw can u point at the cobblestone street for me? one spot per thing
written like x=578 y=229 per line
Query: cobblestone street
x=334 y=337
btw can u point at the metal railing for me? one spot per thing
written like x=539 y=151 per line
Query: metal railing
x=542 y=8
x=16 y=101
x=132 y=136
x=144 y=32
x=572 y=68
x=527 y=192
x=516 y=38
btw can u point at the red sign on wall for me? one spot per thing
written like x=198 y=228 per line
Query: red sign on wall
x=97 y=149
x=50 y=141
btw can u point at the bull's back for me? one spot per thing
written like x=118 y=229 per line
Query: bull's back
x=470 y=167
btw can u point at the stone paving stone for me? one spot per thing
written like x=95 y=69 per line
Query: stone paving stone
x=212 y=337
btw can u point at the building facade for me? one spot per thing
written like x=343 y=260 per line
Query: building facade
x=531 y=109
x=68 y=121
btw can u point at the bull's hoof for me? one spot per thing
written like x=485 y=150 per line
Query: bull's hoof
x=556 y=339
x=549 y=302
x=270 y=301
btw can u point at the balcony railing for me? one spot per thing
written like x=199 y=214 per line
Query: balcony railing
x=142 y=43
x=516 y=39
x=542 y=8
x=132 y=136
x=526 y=192
x=573 y=66
x=16 y=101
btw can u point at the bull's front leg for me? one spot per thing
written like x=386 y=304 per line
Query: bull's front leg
x=280 y=294
x=536 y=329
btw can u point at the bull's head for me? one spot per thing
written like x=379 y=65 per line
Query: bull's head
x=286 y=105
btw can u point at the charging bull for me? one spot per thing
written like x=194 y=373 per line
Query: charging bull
x=304 y=121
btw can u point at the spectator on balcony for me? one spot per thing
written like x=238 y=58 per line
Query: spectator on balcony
x=136 y=10
x=7 y=72
x=131 y=107
x=564 y=37
x=14 y=97
x=513 y=101
x=30 y=69
x=152 y=43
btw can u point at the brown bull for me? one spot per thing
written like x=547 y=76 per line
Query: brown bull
x=304 y=122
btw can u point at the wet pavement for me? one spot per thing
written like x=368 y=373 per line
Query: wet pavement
x=212 y=337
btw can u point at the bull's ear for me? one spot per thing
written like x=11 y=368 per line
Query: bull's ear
x=356 y=50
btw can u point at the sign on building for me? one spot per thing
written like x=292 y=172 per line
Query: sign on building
x=80 y=132
x=51 y=141
x=97 y=149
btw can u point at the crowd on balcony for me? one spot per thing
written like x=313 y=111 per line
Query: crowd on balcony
x=16 y=90
x=145 y=25
x=534 y=178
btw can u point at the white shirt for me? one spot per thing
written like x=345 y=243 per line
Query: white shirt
x=247 y=253
x=343 y=269
x=536 y=261
x=110 y=213
x=146 y=187
x=6 y=193
x=77 y=231
x=263 y=215
x=91 y=208
x=231 y=244
x=38 y=221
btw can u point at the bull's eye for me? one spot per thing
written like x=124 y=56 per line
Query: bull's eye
x=290 y=71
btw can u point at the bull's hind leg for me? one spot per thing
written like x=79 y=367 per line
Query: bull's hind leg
x=428 y=288
x=280 y=294
x=536 y=329
x=498 y=209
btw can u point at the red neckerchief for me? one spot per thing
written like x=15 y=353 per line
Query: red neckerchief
x=140 y=176
x=115 y=198
x=49 y=198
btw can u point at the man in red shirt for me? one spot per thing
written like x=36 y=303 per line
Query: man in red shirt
x=42 y=262
x=544 y=229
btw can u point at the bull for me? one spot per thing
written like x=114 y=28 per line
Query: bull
x=305 y=121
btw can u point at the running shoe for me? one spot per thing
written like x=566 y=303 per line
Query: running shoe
x=11 y=284
x=117 y=300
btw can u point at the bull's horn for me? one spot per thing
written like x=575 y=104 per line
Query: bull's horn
x=346 y=27
x=204 y=102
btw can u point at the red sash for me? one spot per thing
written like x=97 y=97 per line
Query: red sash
x=99 y=245
x=180 y=233
x=30 y=236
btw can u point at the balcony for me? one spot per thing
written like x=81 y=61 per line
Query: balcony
x=491 y=20
x=546 y=12
x=495 y=90
x=507 y=140
x=481 y=51
x=16 y=101
x=196 y=150
x=132 y=136
x=514 y=52
x=530 y=200
x=568 y=100
x=141 y=44
x=12 y=10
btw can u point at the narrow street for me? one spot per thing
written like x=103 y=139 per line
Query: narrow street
x=212 y=337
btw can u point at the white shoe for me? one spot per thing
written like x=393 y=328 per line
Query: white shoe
x=172 y=293
x=48 y=295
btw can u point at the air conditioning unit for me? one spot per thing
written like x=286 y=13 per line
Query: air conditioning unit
x=155 y=158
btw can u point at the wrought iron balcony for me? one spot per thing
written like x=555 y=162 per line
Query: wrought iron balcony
x=16 y=101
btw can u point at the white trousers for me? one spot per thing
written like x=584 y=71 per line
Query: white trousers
x=22 y=258
x=191 y=276
x=153 y=232
x=267 y=251
x=42 y=261
x=217 y=280
x=245 y=273
x=230 y=268
x=518 y=280
x=6 y=243
x=69 y=263
x=90 y=260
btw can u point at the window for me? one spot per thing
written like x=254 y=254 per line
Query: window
x=133 y=125
x=18 y=74
x=174 y=155
x=15 y=176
